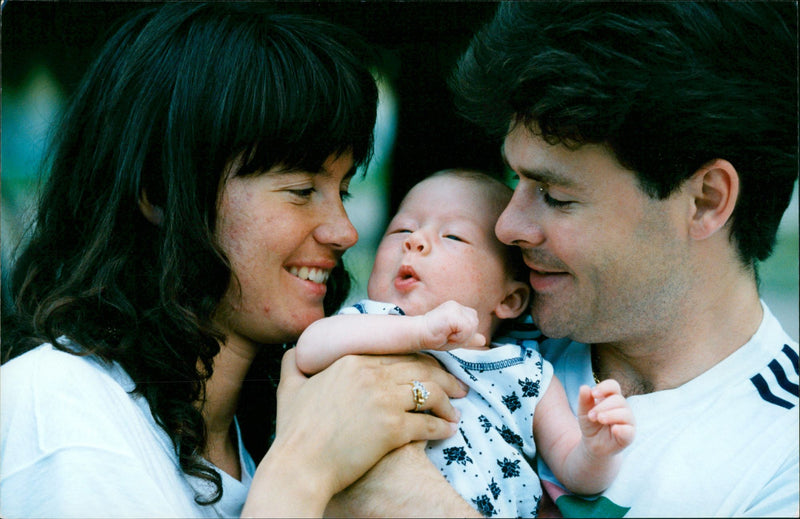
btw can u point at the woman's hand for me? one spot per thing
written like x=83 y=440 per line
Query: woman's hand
x=334 y=426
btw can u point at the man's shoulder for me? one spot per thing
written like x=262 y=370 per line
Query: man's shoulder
x=775 y=379
x=773 y=366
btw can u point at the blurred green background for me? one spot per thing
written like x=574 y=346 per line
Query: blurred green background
x=46 y=46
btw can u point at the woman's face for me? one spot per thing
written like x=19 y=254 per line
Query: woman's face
x=283 y=232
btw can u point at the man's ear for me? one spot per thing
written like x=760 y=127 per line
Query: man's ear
x=714 y=189
x=515 y=302
x=153 y=213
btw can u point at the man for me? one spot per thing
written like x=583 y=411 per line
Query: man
x=655 y=147
x=656 y=151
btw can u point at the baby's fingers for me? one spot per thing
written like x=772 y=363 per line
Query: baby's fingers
x=606 y=388
x=612 y=415
x=476 y=341
x=623 y=434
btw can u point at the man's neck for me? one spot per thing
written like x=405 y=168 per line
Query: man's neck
x=708 y=331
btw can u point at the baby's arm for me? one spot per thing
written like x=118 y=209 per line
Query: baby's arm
x=582 y=452
x=450 y=325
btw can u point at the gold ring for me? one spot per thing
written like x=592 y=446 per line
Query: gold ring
x=419 y=393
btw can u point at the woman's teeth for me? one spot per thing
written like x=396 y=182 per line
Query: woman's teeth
x=311 y=274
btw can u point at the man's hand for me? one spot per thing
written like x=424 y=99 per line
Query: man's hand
x=403 y=484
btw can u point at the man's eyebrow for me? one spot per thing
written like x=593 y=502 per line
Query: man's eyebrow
x=543 y=175
x=547 y=176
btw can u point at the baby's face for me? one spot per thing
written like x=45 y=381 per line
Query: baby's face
x=441 y=246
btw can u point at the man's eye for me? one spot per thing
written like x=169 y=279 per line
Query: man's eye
x=549 y=200
x=553 y=202
x=303 y=193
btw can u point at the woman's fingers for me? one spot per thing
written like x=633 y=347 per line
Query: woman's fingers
x=436 y=401
x=422 y=426
x=360 y=408
x=419 y=366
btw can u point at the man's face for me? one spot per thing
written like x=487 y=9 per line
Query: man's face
x=607 y=262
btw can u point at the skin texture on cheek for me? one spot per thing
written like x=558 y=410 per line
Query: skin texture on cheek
x=230 y=232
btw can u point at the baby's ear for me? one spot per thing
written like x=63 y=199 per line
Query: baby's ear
x=515 y=302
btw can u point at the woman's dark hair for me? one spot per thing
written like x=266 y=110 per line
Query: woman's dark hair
x=176 y=94
x=667 y=86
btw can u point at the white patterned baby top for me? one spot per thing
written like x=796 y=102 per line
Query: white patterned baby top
x=491 y=460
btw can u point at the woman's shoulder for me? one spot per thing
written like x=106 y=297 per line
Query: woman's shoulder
x=48 y=396
x=50 y=373
x=46 y=359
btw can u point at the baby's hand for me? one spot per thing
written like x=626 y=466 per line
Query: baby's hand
x=451 y=325
x=605 y=418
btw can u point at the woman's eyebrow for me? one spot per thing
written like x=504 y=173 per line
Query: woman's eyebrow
x=347 y=176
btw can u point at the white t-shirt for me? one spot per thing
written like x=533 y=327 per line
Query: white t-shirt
x=723 y=444
x=75 y=443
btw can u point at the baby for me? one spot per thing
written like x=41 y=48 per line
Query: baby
x=443 y=283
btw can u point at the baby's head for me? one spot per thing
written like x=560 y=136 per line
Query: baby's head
x=441 y=246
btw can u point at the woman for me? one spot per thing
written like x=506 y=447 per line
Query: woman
x=193 y=220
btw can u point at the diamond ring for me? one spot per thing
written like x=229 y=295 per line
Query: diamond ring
x=419 y=393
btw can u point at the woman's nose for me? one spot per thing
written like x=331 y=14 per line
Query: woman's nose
x=337 y=231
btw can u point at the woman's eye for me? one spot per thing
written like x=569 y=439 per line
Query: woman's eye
x=345 y=195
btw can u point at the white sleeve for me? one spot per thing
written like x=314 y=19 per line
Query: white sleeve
x=74 y=443
x=84 y=483
x=779 y=497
